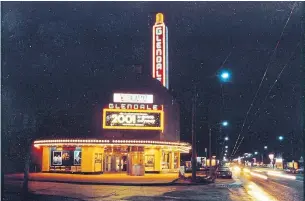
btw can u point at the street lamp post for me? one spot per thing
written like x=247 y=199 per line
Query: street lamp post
x=210 y=150
x=194 y=157
x=265 y=148
x=224 y=76
x=280 y=138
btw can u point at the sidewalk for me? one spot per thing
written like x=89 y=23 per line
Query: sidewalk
x=106 y=179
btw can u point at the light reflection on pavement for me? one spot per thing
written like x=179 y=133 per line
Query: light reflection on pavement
x=273 y=188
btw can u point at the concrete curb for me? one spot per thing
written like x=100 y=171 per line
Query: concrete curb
x=190 y=184
x=172 y=183
x=99 y=183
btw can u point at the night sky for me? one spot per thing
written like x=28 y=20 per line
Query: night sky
x=49 y=47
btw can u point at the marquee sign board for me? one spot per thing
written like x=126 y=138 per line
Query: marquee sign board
x=133 y=119
x=133 y=98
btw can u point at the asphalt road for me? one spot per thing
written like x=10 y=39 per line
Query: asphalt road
x=273 y=188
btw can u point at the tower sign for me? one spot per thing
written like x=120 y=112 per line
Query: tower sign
x=160 y=51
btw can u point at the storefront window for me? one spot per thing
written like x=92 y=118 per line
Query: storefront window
x=176 y=161
x=65 y=159
x=165 y=160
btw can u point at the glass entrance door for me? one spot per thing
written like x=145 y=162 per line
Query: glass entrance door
x=107 y=166
x=113 y=163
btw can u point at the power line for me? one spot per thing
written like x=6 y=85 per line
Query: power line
x=278 y=77
x=270 y=89
x=268 y=65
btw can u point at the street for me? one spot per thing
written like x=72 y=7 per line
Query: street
x=254 y=188
x=262 y=187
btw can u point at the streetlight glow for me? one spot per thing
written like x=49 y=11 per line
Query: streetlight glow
x=226 y=147
x=225 y=75
x=256 y=153
x=226 y=138
x=265 y=147
x=281 y=138
x=225 y=123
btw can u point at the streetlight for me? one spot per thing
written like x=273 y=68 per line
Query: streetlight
x=225 y=123
x=280 y=138
x=225 y=75
x=226 y=138
x=226 y=147
x=256 y=153
x=265 y=147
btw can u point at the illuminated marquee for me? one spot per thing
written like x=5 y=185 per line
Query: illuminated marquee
x=160 y=53
x=133 y=119
x=132 y=106
x=133 y=98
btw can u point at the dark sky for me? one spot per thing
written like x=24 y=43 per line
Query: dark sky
x=44 y=43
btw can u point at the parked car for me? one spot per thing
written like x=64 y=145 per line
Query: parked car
x=224 y=172
x=300 y=170
x=290 y=170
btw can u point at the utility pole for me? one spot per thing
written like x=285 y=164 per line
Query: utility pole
x=210 y=150
x=194 y=157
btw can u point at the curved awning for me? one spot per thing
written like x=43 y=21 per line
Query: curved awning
x=181 y=146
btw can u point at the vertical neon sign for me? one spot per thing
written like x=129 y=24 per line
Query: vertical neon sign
x=160 y=51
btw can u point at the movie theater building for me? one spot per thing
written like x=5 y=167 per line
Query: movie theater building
x=137 y=130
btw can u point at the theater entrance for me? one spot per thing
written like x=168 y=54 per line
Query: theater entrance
x=115 y=159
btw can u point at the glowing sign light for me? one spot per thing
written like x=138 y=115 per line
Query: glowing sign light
x=133 y=98
x=133 y=119
x=160 y=50
x=130 y=106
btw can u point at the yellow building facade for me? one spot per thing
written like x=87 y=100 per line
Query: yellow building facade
x=92 y=156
